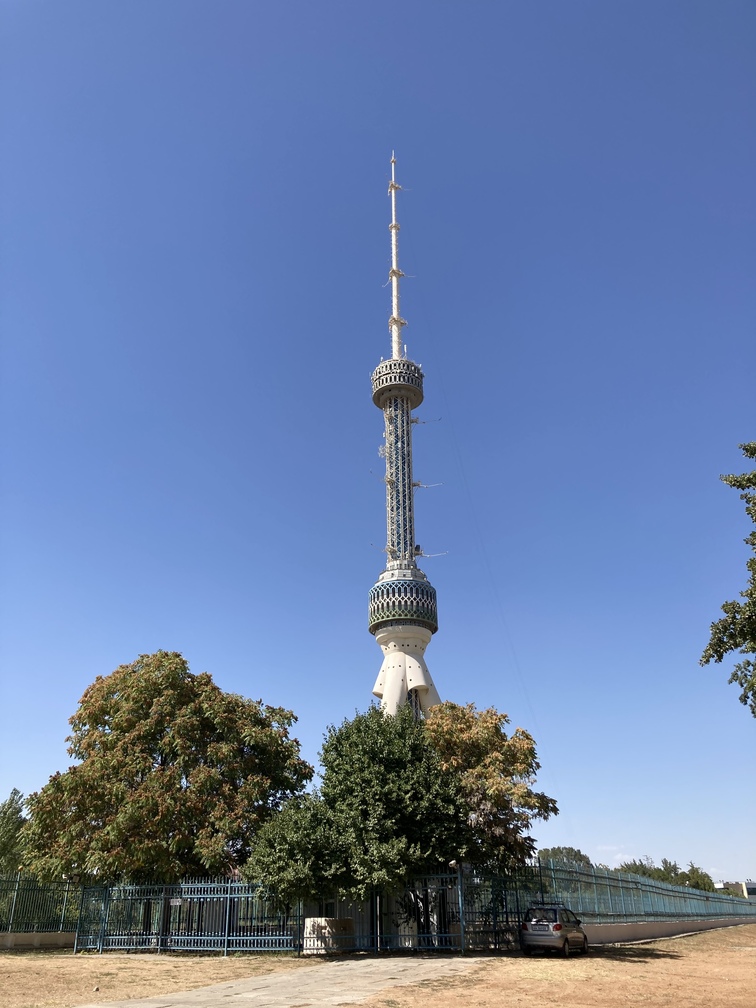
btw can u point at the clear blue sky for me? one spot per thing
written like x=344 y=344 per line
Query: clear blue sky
x=194 y=254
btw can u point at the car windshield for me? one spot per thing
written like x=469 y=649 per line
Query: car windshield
x=541 y=914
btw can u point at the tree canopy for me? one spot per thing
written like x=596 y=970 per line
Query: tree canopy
x=301 y=853
x=495 y=773
x=565 y=855
x=736 y=631
x=402 y=798
x=385 y=810
x=175 y=778
x=11 y=822
x=670 y=871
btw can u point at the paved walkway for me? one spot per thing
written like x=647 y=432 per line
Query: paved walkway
x=346 y=981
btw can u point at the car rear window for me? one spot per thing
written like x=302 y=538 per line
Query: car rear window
x=541 y=914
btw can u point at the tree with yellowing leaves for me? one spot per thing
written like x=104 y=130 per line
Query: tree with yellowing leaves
x=174 y=778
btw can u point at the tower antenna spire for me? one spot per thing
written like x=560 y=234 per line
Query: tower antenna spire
x=395 y=274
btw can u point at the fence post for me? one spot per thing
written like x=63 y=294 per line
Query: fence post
x=461 y=900
x=103 y=920
x=228 y=918
x=540 y=880
x=65 y=904
x=300 y=926
x=13 y=904
x=78 y=921
x=622 y=899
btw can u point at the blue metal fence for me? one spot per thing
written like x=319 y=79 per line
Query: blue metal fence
x=441 y=912
x=601 y=896
x=27 y=905
x=448 y=912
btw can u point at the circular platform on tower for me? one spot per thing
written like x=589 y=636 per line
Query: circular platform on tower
x=397 y=377
x=402 y=601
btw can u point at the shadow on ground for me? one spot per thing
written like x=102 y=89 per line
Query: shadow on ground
x=615 y=953
x=633 y=953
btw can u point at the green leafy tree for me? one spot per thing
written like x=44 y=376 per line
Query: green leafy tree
x=386 y=811
x=175 y=778
x=736 y=631
x=11 y=843
x=641 y=866
x=402 y=798
x=697 y=878
x=565 y=855
x=669 y=871
x=391 y=798
x=300 y=853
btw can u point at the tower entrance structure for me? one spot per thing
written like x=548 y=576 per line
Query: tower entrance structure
x=402 y=612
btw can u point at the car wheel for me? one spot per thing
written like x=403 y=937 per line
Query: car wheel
x=566 y=948
x=585 y=946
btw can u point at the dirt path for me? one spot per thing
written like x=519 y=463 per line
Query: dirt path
x=715 y=969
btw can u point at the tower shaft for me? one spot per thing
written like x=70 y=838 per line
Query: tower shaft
x=402 y=607
x=400 y=511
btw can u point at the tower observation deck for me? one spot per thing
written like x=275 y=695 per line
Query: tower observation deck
x=402 y=612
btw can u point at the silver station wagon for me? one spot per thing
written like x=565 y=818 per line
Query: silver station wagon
x=552 y=926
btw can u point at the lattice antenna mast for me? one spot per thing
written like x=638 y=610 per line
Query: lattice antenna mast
x=396 y=322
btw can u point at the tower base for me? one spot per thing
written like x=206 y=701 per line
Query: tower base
x=404 y=668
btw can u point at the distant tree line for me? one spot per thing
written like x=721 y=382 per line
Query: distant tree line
x=670 y=871
x=667 y=871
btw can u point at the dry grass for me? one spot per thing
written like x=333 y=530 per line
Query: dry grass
x=63 y=980
x=714 y=969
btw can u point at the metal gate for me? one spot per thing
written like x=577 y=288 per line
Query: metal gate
x=494 y=905
x=458 y=912
x=199 y=916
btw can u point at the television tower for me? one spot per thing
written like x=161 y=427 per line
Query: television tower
x=402 y=612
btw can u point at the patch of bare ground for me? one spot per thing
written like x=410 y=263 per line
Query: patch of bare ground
x=64 y=980
x=713 y=969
